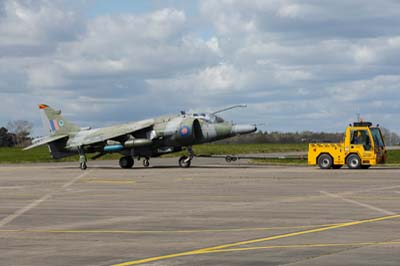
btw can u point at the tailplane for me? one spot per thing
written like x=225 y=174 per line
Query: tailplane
x=55 y=123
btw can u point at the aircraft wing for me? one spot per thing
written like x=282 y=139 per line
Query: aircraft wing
x=45 y=140
x=107 y=133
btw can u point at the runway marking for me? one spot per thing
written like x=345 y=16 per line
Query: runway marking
x=108 y=181
x=253 y=241
x=316 y=197
x=76 y=179
x=358 y=203
x=12 y=187
x=161 y=231
x=369 y=190
x=21 y=211
x=377 y=197
x=304 y=246
x=35 y=203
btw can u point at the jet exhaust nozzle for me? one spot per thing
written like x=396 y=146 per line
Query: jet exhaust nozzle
x=134 y=143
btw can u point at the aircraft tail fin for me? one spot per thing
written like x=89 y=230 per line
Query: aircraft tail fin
x=54 y=122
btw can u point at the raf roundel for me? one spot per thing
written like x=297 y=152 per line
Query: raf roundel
x=61 y=123
x=184 y=131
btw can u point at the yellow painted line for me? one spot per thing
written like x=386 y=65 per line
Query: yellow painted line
x=253 y=241
x=159 y=231
x=304 y=246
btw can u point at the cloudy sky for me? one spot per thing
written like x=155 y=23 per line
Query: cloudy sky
x=299 y=65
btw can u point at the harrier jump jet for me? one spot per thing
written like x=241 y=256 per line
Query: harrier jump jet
x=141 y=139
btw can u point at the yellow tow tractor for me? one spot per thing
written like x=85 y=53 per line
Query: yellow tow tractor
x=363 y=146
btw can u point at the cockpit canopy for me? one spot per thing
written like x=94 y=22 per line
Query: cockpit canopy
x=208 y=117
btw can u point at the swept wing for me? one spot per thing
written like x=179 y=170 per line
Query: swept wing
x=45 y=140
x=103 y=134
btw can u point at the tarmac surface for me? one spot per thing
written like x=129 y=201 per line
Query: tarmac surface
x=210 y=214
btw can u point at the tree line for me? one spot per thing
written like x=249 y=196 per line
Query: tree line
x=277 y=137
x=16 y=134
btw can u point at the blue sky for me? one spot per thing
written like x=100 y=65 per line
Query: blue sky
x=299 y=65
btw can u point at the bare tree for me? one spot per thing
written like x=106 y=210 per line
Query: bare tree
x=22 y=129
x=390 y=137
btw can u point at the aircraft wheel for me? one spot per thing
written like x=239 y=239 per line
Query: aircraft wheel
x=228 y=159
x=146 y=163
x=353 y=161
x=325 y=161
x=126 y=162
x=83 y=166
x=184 y=162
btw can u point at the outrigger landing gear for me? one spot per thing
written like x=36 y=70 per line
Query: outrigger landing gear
x=82 y=159
x=146 y=162
x=230 y=158
x=126 y=162
x=185 y=161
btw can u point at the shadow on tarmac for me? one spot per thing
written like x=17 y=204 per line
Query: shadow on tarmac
x=165 y=167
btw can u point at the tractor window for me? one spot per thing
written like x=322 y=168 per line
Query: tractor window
x=376 y=134
x=361 y=137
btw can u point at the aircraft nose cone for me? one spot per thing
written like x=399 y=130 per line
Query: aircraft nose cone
x=243 y=129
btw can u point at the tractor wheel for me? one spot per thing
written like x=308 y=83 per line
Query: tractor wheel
x=353 y=161
x=325 y=161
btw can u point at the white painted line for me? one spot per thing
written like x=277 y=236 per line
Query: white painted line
x=75 y=179
x=12 y=187
x=21 y=211
x=358 y=203
x=369 y=190
x=35 y=203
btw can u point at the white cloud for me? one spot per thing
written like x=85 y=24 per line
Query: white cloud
x=364 y=55
x=216 y=79
x=36 y=22
x=290 y=11
x=149 y=45
x=378 y=87
x=213 y=44
x=298 y=64
x=46 y=75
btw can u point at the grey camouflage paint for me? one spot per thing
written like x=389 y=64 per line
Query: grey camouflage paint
x=156 y=136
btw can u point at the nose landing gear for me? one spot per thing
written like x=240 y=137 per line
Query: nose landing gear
x=185 y=161
x=82 y=158
x=146 y=162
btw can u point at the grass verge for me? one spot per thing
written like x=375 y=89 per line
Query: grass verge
x=41 y=154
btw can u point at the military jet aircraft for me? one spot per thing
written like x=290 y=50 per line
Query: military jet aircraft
x=141 y=139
